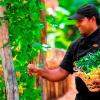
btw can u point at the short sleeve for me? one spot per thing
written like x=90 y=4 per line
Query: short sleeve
x=67 y=62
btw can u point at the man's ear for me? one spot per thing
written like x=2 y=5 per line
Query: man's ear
x=93 y=19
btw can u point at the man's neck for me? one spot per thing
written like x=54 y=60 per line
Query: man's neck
x=93 y=30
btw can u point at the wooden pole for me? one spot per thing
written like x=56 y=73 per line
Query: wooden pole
x=44 y=31
x=7 y=62
x=42 y=56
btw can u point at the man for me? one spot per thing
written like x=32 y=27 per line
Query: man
x=87 y=18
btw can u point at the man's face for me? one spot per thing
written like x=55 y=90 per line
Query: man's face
x=85 y=26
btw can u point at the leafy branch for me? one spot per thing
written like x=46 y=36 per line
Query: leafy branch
x=89 y=62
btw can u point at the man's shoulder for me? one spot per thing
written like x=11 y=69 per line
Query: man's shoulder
x=77 y=41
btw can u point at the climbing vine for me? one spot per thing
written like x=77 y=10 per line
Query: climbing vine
x=24 y=26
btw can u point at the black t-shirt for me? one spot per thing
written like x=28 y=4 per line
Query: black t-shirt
x=80 y=48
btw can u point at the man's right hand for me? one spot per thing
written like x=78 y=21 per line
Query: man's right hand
x=32 y=70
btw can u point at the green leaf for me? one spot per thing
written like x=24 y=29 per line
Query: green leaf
x=88 y=62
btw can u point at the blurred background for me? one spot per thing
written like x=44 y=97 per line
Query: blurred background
x=61 y=31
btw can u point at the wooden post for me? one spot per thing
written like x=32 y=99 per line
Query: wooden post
x=44 y=31
x=7 y=62
x=42 y=57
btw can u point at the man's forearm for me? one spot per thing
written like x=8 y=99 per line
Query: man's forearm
x=57 y=74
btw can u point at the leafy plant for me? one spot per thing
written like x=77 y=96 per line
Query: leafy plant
x=89 y=62
x=24 y=26
x=2 y=88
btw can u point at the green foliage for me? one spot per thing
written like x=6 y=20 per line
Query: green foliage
x=60 y=27
x=89 y=62
x=26 y=88
x=2 y=89
x=66 y=4
x=24 y=27
x=73 y=5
